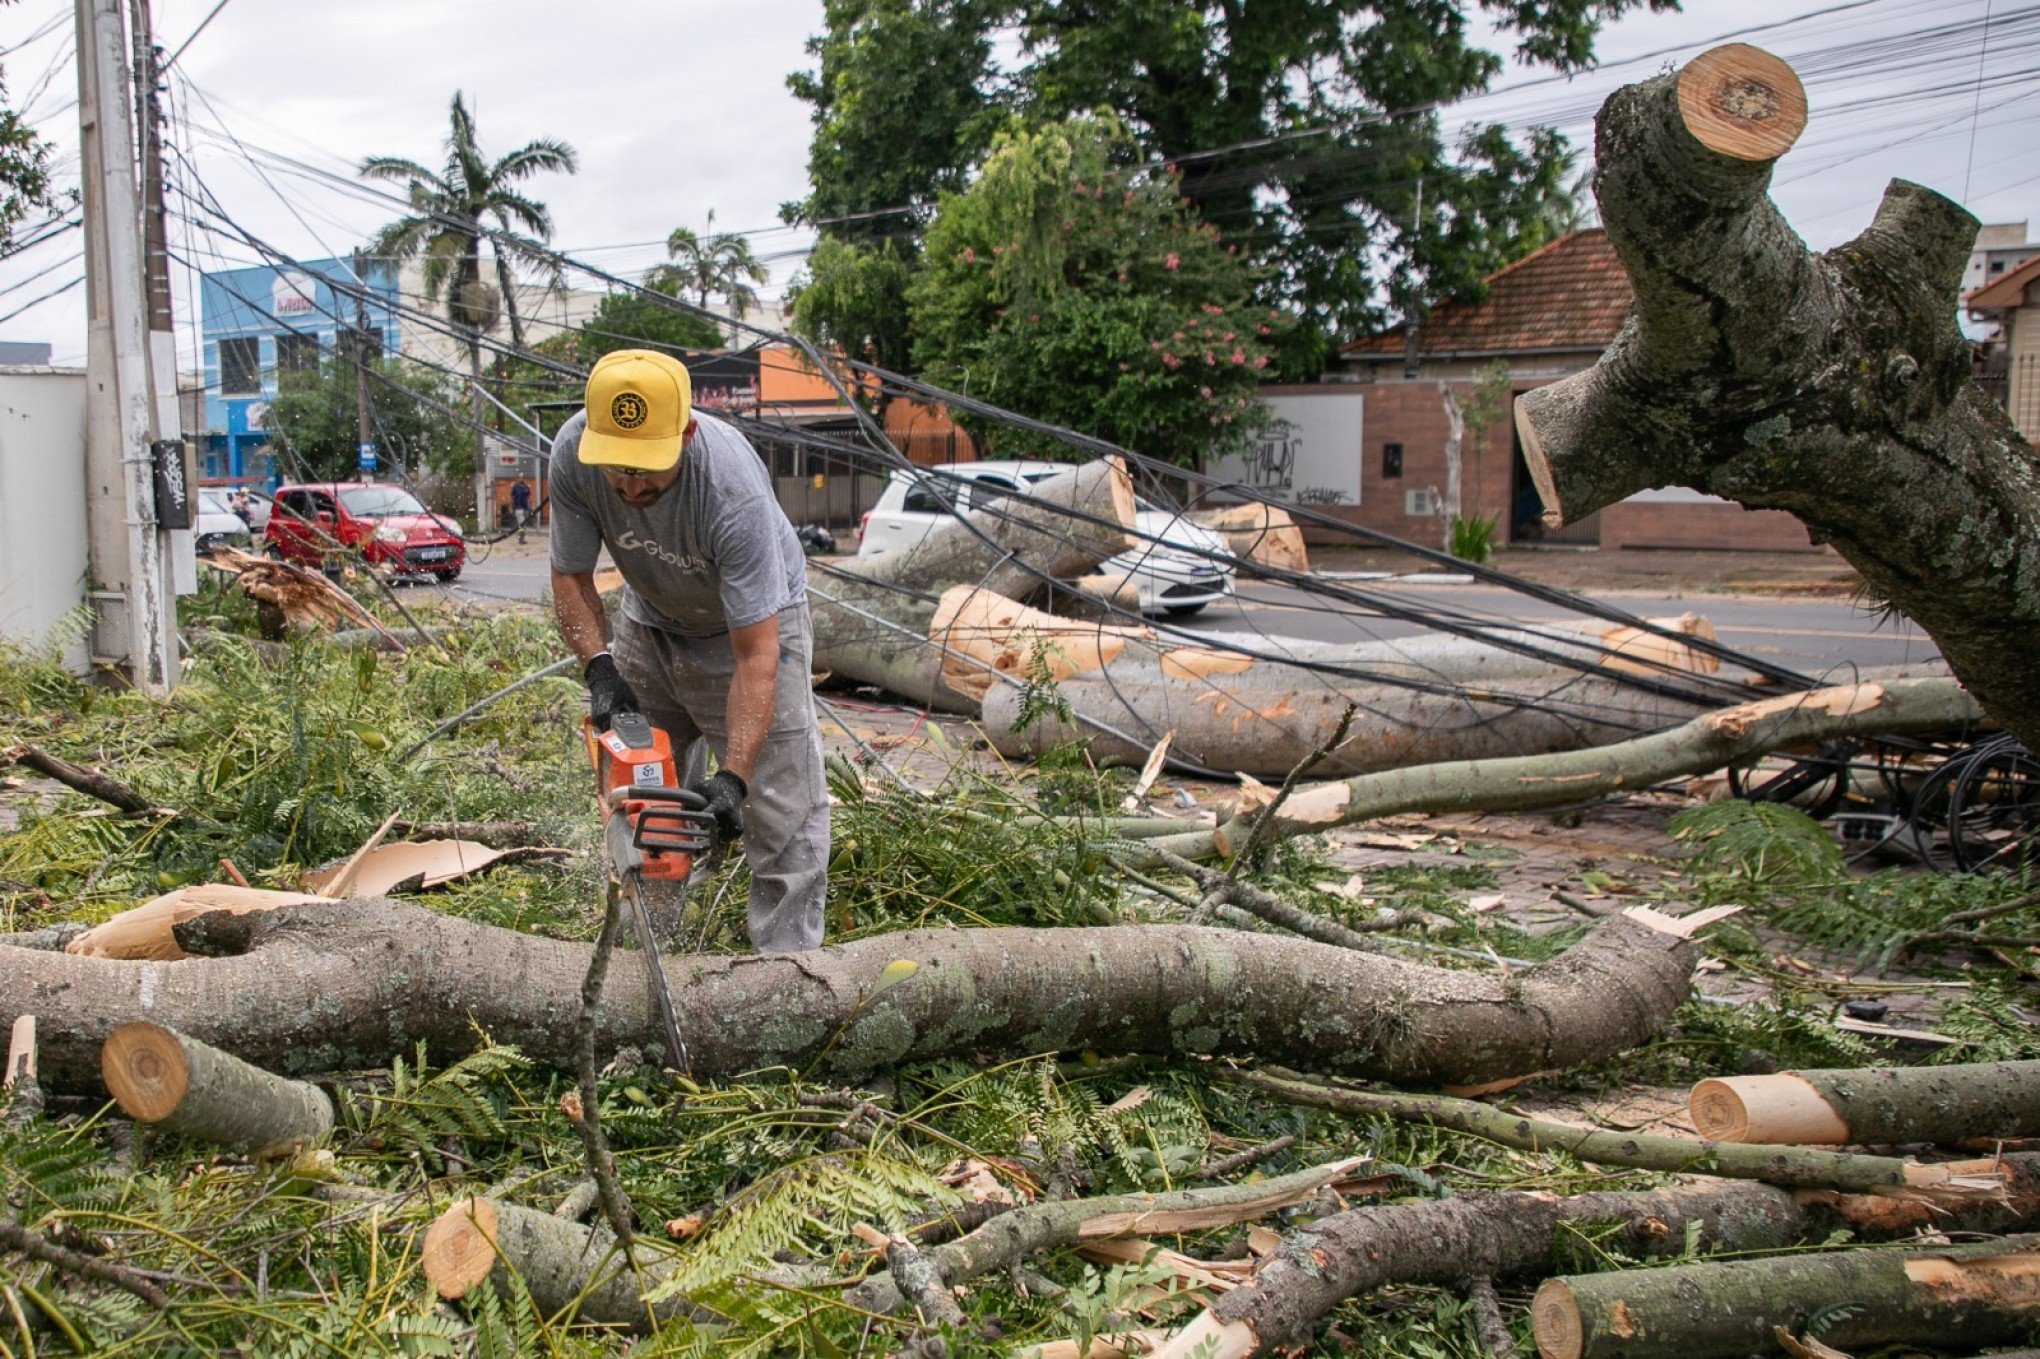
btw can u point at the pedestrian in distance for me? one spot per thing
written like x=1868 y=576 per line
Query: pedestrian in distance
x=713 y=641
x=520 y=504
x=240 y=505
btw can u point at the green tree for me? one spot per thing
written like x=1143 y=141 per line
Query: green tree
x=1068 y=285
x=315 y=418
x=1307 y=133
x=556 y=366
x=853 y=299
x=719 y=264
x=472 y=200
x=24 y=173
x=903 y=107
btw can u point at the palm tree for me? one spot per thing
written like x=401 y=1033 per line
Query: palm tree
x=452 y=212
x=719 y=264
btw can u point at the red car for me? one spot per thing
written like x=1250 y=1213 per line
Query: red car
x=323 y=524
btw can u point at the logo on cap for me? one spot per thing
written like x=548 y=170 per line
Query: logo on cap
x=628 y=410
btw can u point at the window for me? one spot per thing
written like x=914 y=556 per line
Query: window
x=1997 y=266
x=926 y=497
x=297 y=353
x=1391 y=460
x=372 y=502
x=240 y=366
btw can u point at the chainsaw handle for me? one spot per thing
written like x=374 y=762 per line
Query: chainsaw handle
x=686 y=797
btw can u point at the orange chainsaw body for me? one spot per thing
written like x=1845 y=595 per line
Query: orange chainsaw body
x=638 y=780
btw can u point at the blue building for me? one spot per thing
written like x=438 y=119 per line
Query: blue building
x=262 y=321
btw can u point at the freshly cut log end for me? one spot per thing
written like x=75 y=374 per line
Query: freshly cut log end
x=1555 y=1321
x=1782 y=1108
x=1740 y=101
x=162 y=1077
x=459 y=1248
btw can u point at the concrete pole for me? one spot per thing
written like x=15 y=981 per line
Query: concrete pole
x=182 y=544
x=135 y=628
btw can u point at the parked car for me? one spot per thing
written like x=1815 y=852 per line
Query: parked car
x=324 y=524
x=217 y=525
x=1178 y=567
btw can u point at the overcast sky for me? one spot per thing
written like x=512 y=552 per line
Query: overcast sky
x=680 y=107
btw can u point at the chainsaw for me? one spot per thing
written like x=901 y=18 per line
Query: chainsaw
x=653 y=830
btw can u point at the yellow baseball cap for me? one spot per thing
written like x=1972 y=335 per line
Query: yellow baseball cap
x=639 y=403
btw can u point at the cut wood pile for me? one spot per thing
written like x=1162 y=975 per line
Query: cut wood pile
x=1072 y=1077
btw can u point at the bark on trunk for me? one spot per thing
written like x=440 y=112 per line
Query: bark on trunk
x=1951 y=1182
x=1873 y=1105
x=1512 y=1235
x=90 y=782
x=1708 y=742
x=1835 y=386
x=1957 y=1296
x=872 y=615
x=564 y=1265
x=313 y=988
x=161 y=1077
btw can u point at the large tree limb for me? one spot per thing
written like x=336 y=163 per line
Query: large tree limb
x=308 y=988
x=1873 y=1105
x=1708 y=742
x=1834 y=386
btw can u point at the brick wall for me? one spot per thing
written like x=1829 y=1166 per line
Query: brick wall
x=1702 y=524
x=1412 y=414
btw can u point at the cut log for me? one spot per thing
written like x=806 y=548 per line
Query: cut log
x=1872 y=1105
x=1956 y=1297
x=1758 y=371
x=181 y=1085
x=872 y=615
x=1708 y=742
x=1259 y=535
x=1515 y=1235
x=568 y=1268
x=349 y=984
x=1950 y=1182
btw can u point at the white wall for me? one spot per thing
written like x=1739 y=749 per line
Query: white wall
x=42 y=504
x=1310 y=454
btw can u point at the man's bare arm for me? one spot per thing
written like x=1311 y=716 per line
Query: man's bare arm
x=752 y=693
x=577 y=610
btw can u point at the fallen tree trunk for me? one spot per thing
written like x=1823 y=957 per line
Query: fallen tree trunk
x=308 y=988
x=1012 y=1237
x=1270 y=730
x=1708 y=742
x=1259 y=535
x=1514 y=1235
x=1834 y=386
x=872 y=615
x=1952 y=1182
x=1872 y=1105
x=1966 y=1296
x=181 y=1085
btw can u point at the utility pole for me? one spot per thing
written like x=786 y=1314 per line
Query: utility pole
x=128 y=545
x=364 y=441
x=156 y=269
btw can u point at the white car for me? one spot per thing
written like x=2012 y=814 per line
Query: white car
x=216 y=524
x=1178 y=567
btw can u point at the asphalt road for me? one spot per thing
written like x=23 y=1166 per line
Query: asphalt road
x=1817 y=636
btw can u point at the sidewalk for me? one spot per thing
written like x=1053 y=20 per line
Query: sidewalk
x=1805 y=574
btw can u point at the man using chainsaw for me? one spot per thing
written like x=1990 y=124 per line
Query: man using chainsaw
x=713 y=639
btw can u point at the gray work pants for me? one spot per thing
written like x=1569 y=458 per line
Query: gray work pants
x=684 y=685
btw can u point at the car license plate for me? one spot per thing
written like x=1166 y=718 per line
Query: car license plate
x=433 y=554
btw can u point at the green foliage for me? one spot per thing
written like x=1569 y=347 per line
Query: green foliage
x=1471 y=538
x=424 y=1107
x=1762 y=844
x=717 y=264
x=1069 y=286
x=1996 y=1022
x=315 y=418
x=853 y=298
x=1284 y=120
x=24 y=173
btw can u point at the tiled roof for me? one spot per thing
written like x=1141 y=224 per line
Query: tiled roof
x=1572 y=294
x=2007 y=292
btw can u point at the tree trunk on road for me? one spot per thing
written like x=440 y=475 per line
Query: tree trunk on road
x=872 y=615
x=1834 y=386
x=318 y=988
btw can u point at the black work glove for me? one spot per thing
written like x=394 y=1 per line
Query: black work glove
x=725 y=793
x=608 y=695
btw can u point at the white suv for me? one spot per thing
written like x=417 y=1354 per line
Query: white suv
x=1177 y=566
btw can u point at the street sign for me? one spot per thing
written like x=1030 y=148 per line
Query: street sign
x=367 y=454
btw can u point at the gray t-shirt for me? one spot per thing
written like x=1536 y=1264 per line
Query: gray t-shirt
x=715 y=552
